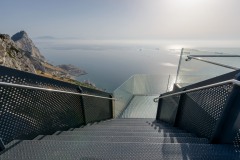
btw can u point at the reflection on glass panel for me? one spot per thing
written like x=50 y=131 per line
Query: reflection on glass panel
x=196 y=65
x=139 y=85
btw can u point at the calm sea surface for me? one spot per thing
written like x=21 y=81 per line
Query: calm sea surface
x=109 y=65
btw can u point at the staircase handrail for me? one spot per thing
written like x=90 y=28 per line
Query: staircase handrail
x=51 y=90
x=233 y=81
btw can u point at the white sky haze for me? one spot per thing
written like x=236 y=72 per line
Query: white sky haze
x=123 y=19
x=114 y=39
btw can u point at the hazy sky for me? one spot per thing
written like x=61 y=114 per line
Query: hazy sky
x=123 y=19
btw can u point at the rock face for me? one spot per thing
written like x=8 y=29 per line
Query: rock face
x=19 y=52
x=25 y=43
x=14 y=57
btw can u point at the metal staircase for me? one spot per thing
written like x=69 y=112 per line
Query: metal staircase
x=119 y=139
x=41 y=118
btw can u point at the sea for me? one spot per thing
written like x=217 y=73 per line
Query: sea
x=111 y=63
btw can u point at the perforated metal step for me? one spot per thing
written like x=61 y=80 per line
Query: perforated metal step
x=126 y=139
x=132 y=120
x=131 y=125
x=128 y=121
x=153 y=128
x=27 y=150
x=129 y=130
x=126 y=126
x=147 y=134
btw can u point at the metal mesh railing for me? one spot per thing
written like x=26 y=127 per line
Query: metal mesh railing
x=209 y=111
x=201 y=110
x=168 y=109
x=96 y=109
x=26 y=112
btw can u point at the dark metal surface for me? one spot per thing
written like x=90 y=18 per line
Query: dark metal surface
x=211 y=113
x=27 y=150
x=127 y=139
x=141 y=134
x=128 y=127
x=167 y=109
x=128 y=124
x=19 y=77
x=133 y=129
x=2 y=146
x=117 y=145
x=200 y=111
x=26 y=113
x=96 y=109
x=117 y=126
x=228 y=127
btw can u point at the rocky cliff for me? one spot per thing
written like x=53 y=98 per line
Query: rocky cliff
x=22 y=40
x=19 y=52
x=14 y=57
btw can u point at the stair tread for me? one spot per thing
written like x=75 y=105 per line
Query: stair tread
x=128 y=139
x=129 y=130
x=132 y=119
x=107 y=133
x=119 y=139
x=126 y=126
x=35 y=149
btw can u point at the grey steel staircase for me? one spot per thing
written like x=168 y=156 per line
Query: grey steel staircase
x=119 y=139
x=44 y=119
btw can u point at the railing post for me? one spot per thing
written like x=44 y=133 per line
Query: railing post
x=2 y=147
x=180 y=103
x=112 y=105
x=227 y=128
x=82 y=104
x=159 y=109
